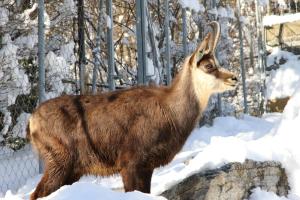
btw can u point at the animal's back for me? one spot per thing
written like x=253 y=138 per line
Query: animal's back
x=100 y=131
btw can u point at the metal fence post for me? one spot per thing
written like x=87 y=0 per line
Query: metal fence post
x=214 y=5
x=258 y=35
x=242 y=57
x=264 y=62
x=97 y=51
x=41 y=59
x=184 y=32
x=260 y=54
x=167 y=37
x=81 y=45
x=251 y=50
x=219 y=96
x=110 y=46
x=153 y=46
x=141 y=41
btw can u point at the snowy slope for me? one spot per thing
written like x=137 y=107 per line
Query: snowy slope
x=81 y=190
x=283 y=81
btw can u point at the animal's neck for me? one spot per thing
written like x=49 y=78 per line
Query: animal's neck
x=184 y=100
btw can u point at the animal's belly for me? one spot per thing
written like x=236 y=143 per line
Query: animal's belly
x=100 y=170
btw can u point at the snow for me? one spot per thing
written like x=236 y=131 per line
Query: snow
x=230 y=12
x=213 y=11
x=87 y=190
x=150 y=67
x=67 y=52
x=80 y=190
x=28 y=41
x=222 y=12
x=34 y=22
x=57 y=70
x=192 y=4
x=69 y=6
x=21 y=164
x=271 y=20
x=6 y=122
x=13 y=80
x=282 y=4
x=108 y=22
x=20 y=128
x=283 y=81
x=3 y=16
x=259 y=194
x=263 y=2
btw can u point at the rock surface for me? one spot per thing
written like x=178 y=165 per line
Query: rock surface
x=277 y=105
x=233 y=181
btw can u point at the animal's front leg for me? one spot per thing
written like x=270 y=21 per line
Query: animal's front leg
x=136 y=178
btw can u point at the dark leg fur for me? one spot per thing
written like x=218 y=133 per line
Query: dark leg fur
x=59 y=168
x=54 y=177
x=135 y=178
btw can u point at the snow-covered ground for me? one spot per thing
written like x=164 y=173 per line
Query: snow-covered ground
x=283 y=81
x=270 y=20
x=272 y=137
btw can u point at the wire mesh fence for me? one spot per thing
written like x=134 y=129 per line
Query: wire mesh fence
x=16 y=167
x=18 y=98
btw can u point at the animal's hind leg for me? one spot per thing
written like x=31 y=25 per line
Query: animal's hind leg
x=59 y=166
x=137 y=178
x=54 y=177
x=39 y=190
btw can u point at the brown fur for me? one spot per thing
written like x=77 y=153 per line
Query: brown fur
x=130 y=132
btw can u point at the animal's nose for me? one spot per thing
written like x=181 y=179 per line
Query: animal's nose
x=234 y=78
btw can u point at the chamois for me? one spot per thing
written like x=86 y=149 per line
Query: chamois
x=131 y=131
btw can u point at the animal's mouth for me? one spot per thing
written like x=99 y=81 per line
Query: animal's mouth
x=231 y=82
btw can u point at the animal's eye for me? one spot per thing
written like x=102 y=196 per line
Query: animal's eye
x=209 y=68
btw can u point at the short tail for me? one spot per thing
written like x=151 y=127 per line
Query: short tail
x=28 y=132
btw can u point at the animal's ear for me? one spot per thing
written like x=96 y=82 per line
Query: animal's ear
x=202 y=49
x=208 y=45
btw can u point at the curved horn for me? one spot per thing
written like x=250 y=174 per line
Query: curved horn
x=216 y=35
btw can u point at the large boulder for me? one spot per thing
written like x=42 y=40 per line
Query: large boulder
x=277 y=105
x=233 y=181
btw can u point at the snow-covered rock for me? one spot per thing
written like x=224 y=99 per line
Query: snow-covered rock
x=232 y=181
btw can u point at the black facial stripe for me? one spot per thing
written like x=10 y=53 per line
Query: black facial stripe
x=212 y=70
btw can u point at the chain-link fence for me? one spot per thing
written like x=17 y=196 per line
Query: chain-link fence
x=16 y=167
x=17 y=100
